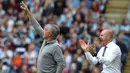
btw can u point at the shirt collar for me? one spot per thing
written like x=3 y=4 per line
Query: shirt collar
x=109 y=43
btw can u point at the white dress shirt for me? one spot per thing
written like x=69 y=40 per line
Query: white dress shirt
x=111 y=60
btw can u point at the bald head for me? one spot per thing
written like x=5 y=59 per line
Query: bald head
x=108 y=33
x=106 y=36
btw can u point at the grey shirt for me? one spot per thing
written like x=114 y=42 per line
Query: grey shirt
x=50 y=58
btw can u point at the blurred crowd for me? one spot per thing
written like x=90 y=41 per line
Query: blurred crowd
x=77 y=19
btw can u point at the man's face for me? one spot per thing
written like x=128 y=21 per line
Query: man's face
x=103 y=37
x=46 y=33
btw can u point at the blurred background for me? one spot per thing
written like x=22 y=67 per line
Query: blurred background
x=77 y=19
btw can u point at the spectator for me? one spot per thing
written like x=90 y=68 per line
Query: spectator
x=114 y=27
x=4 y=67
x=31 y=55
x=16 y=62
x=96 y=70
x=85 y=67
x=124 y=50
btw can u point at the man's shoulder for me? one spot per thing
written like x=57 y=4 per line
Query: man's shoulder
x=115 y=47
x=58 y=46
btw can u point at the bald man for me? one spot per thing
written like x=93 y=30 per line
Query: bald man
x=109 y=55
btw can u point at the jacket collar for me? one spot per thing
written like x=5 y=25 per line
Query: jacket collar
x=50 y=42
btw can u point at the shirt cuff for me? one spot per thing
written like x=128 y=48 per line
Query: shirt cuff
x=100 y=58
x=87 y=53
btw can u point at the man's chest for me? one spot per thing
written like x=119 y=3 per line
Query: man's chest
x=105 y=52
x=46 y=50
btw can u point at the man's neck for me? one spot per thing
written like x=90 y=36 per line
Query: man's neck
x=107 y=42
x=49 y=39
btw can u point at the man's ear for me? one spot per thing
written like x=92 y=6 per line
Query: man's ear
x=108 y=37
x=50 y=34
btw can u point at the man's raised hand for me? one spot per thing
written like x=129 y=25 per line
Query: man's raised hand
x=84 y=46
x=25 y=8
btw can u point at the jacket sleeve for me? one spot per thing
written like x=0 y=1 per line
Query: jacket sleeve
x=36 y=26
x=91 y=59
x=58 y=57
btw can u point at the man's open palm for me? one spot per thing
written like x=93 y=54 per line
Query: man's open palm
x=84 y=46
